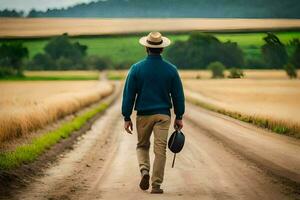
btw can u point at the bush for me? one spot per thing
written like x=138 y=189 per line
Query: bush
x=99 y=63
x=123 y=65
x=6 y=71
x=64 y=63
x=235 y=73
x=290 y=70
x=217 y=69
x=42 y=62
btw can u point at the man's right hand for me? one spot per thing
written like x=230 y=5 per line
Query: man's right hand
x=128 y=127
x=178 y=124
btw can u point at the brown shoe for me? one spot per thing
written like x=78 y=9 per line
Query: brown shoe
x=157 y=190
x=144 y=184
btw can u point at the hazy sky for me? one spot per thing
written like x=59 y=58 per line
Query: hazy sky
x=26 y=5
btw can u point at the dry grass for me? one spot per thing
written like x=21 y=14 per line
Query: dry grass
x=270 y=99
x=40 y=27
x=27 y=106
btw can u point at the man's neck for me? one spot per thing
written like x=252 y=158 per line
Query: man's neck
x=153 y=54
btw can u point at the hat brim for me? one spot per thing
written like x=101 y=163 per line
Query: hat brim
x=166 y=42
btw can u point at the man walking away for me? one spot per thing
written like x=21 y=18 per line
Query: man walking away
x=151 y=84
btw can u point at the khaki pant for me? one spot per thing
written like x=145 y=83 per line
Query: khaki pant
x=159 y=124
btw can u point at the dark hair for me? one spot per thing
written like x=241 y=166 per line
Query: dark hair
x=154 y=50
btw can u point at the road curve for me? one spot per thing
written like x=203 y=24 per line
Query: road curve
x=103 y=164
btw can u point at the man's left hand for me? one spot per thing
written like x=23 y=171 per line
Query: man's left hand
x=128 y=126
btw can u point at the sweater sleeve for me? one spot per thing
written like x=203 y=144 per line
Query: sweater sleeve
x=129 y=94
x=177 y=95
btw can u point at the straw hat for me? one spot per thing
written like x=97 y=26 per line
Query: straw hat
x=155 y=40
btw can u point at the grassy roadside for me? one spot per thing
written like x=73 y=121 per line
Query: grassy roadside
x=29 y=152
x=277 y=126
x=114 y=76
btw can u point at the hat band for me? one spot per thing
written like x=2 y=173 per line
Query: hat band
x=155 y=43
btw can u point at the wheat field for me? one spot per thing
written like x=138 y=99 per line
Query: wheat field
x=73 y=73
x=248 y=74
x=276 y=99
x=206 y=74
x=43 y=27
x=26 y=106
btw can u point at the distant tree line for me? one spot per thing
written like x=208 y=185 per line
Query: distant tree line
x=177 y=8
x=11 y=13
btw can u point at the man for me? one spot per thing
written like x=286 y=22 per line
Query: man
x=151 y=84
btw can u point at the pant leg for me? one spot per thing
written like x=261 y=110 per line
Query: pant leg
x=160 y=129
x=144 y=127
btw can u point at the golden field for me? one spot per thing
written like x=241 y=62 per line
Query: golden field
x=276 y=99
x=42 y=27
x=26 y=106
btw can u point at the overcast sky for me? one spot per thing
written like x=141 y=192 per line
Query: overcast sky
x=27 y=5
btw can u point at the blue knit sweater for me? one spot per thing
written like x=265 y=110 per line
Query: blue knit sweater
x=151 y=84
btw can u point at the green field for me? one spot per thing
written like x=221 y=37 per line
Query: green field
x=127 y=48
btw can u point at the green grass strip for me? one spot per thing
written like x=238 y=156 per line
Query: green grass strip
x=29 y=152
x=277 y=126
x=114 y=77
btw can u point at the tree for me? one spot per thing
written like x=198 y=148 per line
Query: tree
x=231 y=55
x=290 y=70
x=217 y=69
x=295 y=58
x=274 y=52
x=61 y=46
x=60 y=54
x=12 y=55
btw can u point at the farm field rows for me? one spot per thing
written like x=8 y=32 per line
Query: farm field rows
x=39 y=27
x=269 y=99
x=127 y=48
x=28 y=106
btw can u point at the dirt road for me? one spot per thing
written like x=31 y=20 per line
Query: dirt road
x=103 y=163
